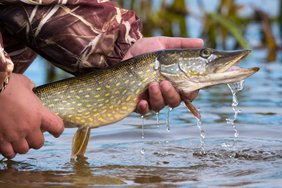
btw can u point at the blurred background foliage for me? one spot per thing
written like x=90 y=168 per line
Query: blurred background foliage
x=230 y=24
x=223 y=28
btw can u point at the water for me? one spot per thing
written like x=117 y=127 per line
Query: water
x=235 y=88
x=202 y=135
x=168 y=119
x=174 y=158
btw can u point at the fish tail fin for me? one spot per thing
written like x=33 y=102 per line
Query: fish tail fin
x=79 y=142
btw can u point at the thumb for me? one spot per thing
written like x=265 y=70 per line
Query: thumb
x=51 y=123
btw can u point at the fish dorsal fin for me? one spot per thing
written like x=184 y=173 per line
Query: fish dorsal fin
x=80 y=141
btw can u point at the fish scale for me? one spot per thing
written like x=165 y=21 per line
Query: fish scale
x=101 y=97
x=106 y=96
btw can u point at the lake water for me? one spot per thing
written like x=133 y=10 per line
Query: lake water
x=117 y=154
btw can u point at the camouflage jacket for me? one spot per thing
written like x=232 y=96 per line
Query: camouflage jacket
x=75 y=35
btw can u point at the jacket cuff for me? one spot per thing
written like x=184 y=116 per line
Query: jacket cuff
x=6 y=69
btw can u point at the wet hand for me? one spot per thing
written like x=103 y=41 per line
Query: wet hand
x=24 y=119
x=161 y=94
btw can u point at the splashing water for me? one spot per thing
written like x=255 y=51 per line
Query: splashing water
x=168 y=119
x=235 y=88
x=142 y=134
x=158 y=118
x=142 y=151
x=202 y=135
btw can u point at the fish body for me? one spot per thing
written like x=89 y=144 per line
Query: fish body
x=101 y=97
x=106 y=96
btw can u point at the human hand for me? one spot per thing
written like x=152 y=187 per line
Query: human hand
x=163 y=93
x=24 y=119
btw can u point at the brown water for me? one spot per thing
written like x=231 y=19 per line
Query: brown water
x=118 y=155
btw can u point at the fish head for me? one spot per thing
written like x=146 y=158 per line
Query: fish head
x=192 y=69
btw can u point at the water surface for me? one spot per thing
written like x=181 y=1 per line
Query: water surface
x=118 y=155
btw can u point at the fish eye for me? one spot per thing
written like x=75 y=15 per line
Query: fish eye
x=205 y=53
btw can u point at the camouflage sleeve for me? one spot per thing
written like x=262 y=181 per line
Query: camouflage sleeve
x=75 y=35
x=6 y=67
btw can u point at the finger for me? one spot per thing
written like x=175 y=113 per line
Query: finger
x=171 y=96
x=155 y=97
x=36 y=140
x=177 y=42
x=20 y=146
x=27 y=82
x=51 y=122
x=142 y=107
x=7 y=150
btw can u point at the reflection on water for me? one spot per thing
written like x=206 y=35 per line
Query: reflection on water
x=172 y=158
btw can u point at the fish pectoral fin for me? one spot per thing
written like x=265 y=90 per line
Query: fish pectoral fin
x=79 y=142
x=192 y=108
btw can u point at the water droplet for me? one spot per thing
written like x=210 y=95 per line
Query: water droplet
x=158 y=118
x=143 y=134
x=142 y=151
x=156 y=64
x=202 y=134
x=235 y=88
x=168 y=119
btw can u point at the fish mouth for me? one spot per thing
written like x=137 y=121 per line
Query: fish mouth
x=227 y=66
x=223 y=71
x=228 y=60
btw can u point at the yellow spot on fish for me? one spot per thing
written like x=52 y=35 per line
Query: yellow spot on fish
x=78 y=118
x=107 y=94
x=71 y=108
x=79 y=104
x=106 y=101
x=50 y=105
x=97 y=96
x=87 y=96
x=98 y=88
x=80 y=91
x=137 y=91
x=126 y=81
x=108 y=87
x=68 y=96
x=88 y=105
x=82 y=121
x=78 y=97
x=132 y=82
x=88 y=89
x=124 y=108
x=91 y=119
x=118 y=84
x=69 y=116
x=117 y=92
x=111 y=107
x=128 y=98
x=86 y=113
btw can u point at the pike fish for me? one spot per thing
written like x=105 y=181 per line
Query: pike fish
x=106 y=96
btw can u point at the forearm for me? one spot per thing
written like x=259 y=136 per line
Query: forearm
x=75 y=36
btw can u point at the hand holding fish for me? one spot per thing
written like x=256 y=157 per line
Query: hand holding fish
x=24 y=118
x=161 y=94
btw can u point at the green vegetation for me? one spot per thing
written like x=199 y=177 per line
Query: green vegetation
x=169 y=18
